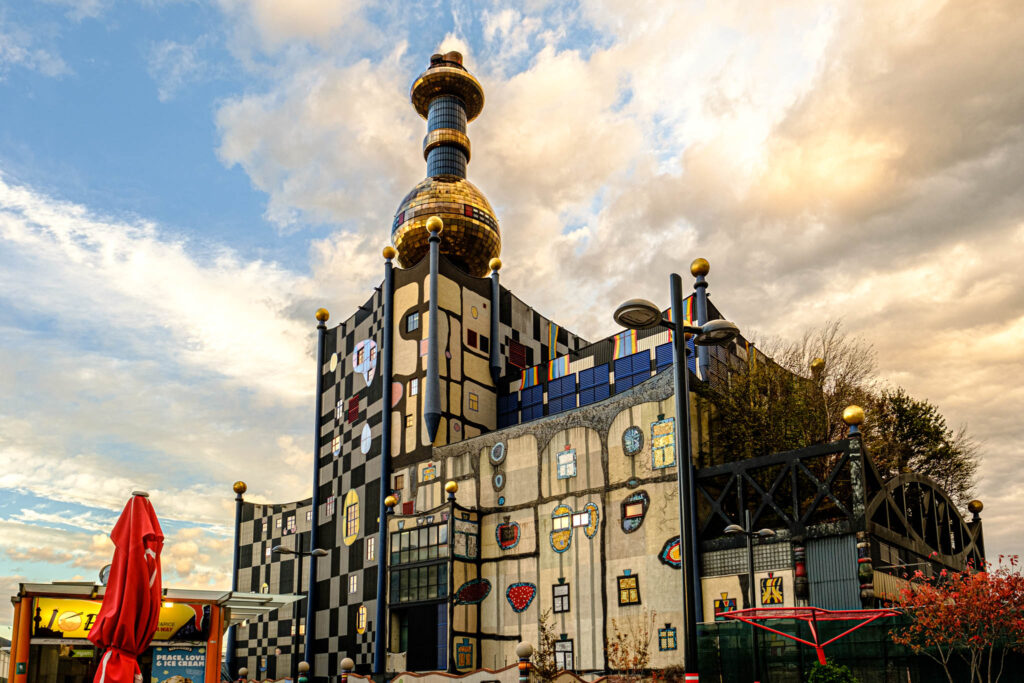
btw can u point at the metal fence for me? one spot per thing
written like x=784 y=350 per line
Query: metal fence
x=725 y=655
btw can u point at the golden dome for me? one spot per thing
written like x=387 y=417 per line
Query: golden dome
x=239 y=487
x=322 y=315
x=494 y=264
x=471 y=236
x=700 y=266
x=451 y=487
x=447 y=76
x=389 y=252
x=853 y=415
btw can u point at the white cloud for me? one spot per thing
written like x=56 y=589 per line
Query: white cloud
x=174 y=65
x=19 y=48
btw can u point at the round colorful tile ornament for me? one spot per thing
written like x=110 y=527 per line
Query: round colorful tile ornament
x=670 y=554
x=595 y=517
x=497 y=455
x=507 y=535
x=561 y=528
x=520 y=595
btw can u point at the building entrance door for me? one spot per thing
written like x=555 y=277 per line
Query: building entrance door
x=424 y=637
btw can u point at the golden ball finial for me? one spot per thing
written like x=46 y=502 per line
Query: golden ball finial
x=389 y=252
x=700 y=266
x=390 y=501
x=239 y=487
x=817 y=365
x=451 y=487
x=435 y=224
x=495 y=263
x=322 y=315
x=853 y=415
x=975 y=507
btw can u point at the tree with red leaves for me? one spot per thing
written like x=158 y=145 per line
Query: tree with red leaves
x=975 y=614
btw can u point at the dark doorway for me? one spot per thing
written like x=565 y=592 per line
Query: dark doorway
x=423 y=638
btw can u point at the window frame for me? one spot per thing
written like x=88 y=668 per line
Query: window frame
x=562 y=469
x=351 y=520
x=631 y=592
x=412 y=321
x=567 y=650
x=353 y=583
x=560 y=603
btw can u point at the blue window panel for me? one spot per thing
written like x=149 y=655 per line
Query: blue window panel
x=508 y=419
x=532 y=396
x=561 y=387
x=691 y=355
x=508 y=403
x=533 y=412
x=641 y=362
x=561 y=404
x=663 y=355
x=588 y=396
x=623 y=367
x=594 y=376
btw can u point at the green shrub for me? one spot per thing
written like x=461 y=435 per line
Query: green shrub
x=830 y=673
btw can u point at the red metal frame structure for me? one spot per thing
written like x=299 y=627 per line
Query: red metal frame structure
x=812 y=615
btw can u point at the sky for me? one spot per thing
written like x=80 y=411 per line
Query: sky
x=183 y=182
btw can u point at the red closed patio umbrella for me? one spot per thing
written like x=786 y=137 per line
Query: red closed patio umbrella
x=131 y=605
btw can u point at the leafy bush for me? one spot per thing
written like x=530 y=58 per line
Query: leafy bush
x=831 y=673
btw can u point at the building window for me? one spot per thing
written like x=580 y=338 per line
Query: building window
x=566 y=462
x=309 y=515
x=429 y=473
x=265 y=525
x=336 y=445
x=464 y=654
x=517 y=354
x=410 y=420
x=471 y=338
x=266 y=552
x=581 y=518
x=332 y=503
x=399 y=482
x=633 y=510
x=353 y=583
x=277 y=523
x=353 y=409
x=485 y=344
x=629 y=589
x=352 y=519
x=563 y=655
x=594 y=384
x=560 y=593
x=371 y=549
x=339 y=410
x=561 y=523
x=474 y=401
x=361 y=619
x=663 y=443
x=420 y=544
x=414 y=387
x=418 y=583
x=412 y=322
x=666 y=638
x=290 y=525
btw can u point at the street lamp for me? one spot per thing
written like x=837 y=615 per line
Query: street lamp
x=746 y=530
x=640 y=314
x=315 y=552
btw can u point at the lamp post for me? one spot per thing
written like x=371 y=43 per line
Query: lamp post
x=640 y=314
x=746 y=530
x=300 y=553
x=322 y=316
x=239 y=488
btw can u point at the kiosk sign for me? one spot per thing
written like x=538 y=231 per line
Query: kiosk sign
x=178 y=664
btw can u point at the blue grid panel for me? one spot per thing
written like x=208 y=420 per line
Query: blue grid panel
x=663 y=356
x=561 y=387
x=532 y=400
x=594 y=394
x=594 y=376
x=508 y=410
x=561 y=404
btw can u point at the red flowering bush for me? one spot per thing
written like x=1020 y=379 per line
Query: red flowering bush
x=976 y=614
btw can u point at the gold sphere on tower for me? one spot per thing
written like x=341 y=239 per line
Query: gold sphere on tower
x=239 y=487
x=700 y=266
x=853 y=415
x=451 y=487
x=434 y=224
x=975 y=506
x=389 y=252
x=390 y=501
x=322 y=315
x=817 y=365
x=494 y=263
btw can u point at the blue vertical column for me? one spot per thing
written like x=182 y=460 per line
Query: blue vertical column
x=495 y=266
x=432 y=392
x=380 y=627
x=239 y=488
x=307 y=646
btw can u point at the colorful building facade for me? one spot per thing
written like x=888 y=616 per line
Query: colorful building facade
x=563 y=458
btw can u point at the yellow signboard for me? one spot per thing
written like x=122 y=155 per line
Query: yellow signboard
x=73 y=618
